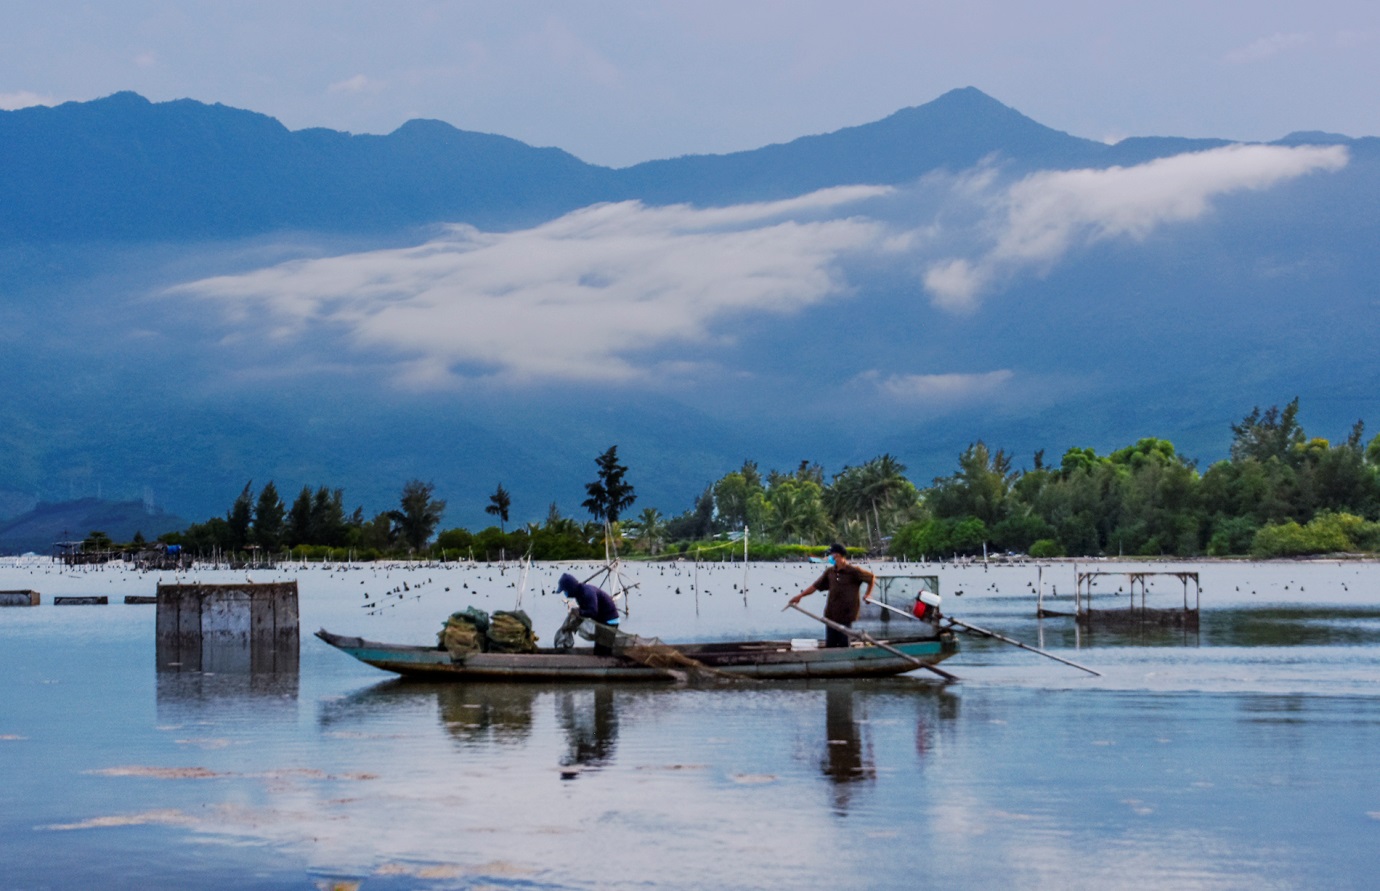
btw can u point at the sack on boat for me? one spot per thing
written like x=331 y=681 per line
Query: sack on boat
x=465 y=632
x=511 y=632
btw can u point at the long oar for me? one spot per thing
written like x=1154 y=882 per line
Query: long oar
x=863 y=635
x=993 y=634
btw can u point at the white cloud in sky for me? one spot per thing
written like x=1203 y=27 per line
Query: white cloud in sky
x=939 y=388
x=1035 y=222
x=1267 y=47
x=357 y=84
x=576 y=298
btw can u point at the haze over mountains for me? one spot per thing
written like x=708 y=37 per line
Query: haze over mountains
x=193 y=296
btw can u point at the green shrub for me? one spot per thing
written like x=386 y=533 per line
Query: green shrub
x=1324 y=534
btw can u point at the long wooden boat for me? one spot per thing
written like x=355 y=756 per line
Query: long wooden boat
x=769 y=659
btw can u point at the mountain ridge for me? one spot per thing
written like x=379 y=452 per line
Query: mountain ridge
x=125 y=168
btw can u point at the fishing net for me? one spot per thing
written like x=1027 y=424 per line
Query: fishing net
x=464 y=632
x=651 y=652
x=574 y=624
x=511 y=632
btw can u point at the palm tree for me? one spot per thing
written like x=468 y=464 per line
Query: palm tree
x=797 y=512
x=650 y=529
x=499 y=502
x=844 y=498
x=882 y=482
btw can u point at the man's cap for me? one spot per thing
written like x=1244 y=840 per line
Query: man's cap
x=837 y=548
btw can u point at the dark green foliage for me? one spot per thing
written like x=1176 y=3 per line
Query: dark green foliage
x=499 y=503
x=1272 y=434
x=379 y=534
x=96 y=540
x=1281 y=494
x=239 y=518
x=696 y=524
x=455 y=542
x=1232 y=535
x=1271 y=499
x=418 y=514
x=979 y=489
x=610 y=494
x=940 y=538
x=269 y=513
x=490 y=544
x=327 y=523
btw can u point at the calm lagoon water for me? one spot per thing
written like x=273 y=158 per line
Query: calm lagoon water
x=1246 y=755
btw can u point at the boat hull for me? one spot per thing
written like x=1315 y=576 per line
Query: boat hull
x=764 y=660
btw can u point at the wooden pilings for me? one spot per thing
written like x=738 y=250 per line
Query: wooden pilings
x=1133 y=614
x=236 y=627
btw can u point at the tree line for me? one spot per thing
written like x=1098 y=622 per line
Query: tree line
x=316 y=522
x=1280 y=493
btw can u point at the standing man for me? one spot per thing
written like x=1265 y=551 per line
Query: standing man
x=841 y=580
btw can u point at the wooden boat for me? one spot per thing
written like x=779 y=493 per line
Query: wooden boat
x=770 y=659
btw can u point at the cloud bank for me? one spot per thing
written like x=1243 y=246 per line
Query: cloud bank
x=625 y=292
x=574 y=299
x=1036 y=222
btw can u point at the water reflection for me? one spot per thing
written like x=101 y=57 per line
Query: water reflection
x=848 y=757
x=1295 y=626
x=589 y=718
x=1290 y=626
x=1148 y=634
x=478 y=714
x=183 y=654
x=192 y=695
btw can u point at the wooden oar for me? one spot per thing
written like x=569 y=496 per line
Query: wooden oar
x=986 y=633
x=863 y=635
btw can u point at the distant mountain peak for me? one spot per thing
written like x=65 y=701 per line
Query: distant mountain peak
x=970 y=97
x=121 y=97
x=1316 y=137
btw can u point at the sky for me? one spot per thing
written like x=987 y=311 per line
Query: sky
x=621 y=81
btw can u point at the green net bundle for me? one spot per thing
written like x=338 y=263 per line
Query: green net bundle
x=511 y=632
x=464 y=632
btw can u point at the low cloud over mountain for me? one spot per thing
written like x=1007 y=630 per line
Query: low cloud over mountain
x=1028 y=226
x=595 y=295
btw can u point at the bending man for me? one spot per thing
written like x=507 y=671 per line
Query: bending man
x=594 y=603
